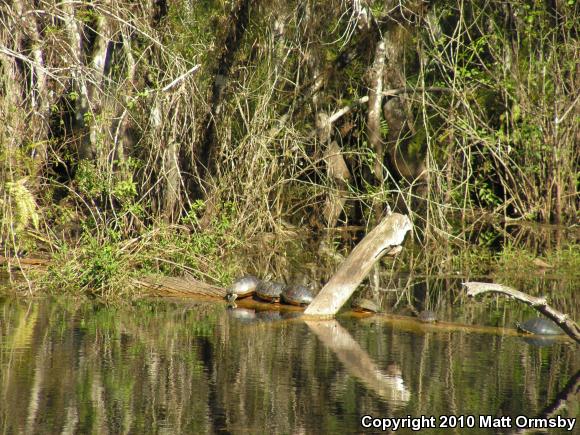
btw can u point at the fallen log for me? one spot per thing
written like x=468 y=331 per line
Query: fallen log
x=539 y=304
x=185 y=286
x=388 y=234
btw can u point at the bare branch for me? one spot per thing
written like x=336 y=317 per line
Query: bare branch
x=390 y=232
x=180 y=78
x=540 y=304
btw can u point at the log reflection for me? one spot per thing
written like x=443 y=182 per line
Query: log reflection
x=389 y=386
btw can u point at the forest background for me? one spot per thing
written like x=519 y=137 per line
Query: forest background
x=156 y=136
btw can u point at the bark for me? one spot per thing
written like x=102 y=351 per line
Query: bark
x=374 y=110
x=91 y=101
x=340 y=175
x=39 y=98
x=336 y=170
x=171 y=175
x=120 y=131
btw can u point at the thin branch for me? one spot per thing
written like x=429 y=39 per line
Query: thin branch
x=388 y=93
x=181 y=77
x=560 y=119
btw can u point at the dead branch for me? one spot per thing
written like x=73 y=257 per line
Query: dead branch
x=539 y=304
x=389 y=233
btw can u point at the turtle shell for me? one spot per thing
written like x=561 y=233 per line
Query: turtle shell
x=242 y=287
x=540 y=326
x=269 y=291
x=427 y=316
x=365 y=305
x=296 y=294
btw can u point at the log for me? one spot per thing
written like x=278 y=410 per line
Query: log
x=389 y=234
x=185 y=286
x=539 y=304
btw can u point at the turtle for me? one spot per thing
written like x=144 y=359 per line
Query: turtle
x=296 y=294
x=242 y=287
x=427 y=316
x=364 y=305
x=269 y=291
x=539 y=326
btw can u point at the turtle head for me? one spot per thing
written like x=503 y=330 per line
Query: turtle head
x=231 y=297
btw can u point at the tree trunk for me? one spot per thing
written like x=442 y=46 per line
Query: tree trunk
x=374 y=110
x=209 y=145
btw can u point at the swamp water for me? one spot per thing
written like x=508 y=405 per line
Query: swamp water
x=182 y=366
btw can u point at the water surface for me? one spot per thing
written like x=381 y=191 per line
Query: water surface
x=194 y=367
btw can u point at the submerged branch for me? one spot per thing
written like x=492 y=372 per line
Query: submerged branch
x=539 y=304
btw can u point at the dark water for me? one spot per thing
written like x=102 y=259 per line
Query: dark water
x=183 y=367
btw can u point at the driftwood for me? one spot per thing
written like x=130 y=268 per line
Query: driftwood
x=540 y=304
x=389 y=234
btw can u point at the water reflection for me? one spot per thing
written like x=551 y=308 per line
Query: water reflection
x=182 y=367
x=388 y=385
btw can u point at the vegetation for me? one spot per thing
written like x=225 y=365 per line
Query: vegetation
x=154 y=137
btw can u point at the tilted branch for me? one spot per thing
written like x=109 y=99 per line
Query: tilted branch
x=539 y=304
x=389 y=233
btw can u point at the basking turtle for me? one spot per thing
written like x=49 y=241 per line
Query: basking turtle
x=427 y=316
x=269 y=291
x=296 y=294
x=242 y=288
x=539 y=326
x=363 y=305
